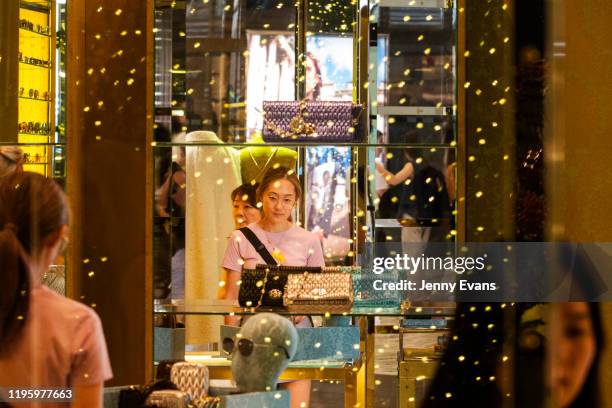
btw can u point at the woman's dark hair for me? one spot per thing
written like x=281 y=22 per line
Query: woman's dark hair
x=279 y=173
x=32 y=208
x=589 y=395
x=247 y=193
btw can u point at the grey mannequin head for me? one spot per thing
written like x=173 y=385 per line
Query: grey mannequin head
x=274 y=343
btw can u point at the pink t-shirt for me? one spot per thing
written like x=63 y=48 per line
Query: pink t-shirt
x=296 y=246
x=62 y=345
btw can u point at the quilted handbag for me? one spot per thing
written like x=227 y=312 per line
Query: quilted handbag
x=313 y=121
x=265 y=285
x=168 y=399
x=321 y=289
x=191 y=378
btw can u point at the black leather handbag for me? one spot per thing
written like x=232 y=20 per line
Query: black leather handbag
x=265 y=285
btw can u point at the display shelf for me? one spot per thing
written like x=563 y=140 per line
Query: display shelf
x=214 y=307
x=34 y=99
x=41 y=6
x=28 y=144
x=47 y=67
x=302 y=144
x=36 y=32
x=33 y=134
x=415 y=3
x=414 y=111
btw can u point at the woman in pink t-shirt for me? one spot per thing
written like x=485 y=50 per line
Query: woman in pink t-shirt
x=289 y=244
x=46 y=340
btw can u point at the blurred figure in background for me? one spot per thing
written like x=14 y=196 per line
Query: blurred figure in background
x=575 y=341
x=11 y=159
x=244 y=205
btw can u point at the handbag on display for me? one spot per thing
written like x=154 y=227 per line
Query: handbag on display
x=208 y=402
x=265 y=285
x=168 y=399
x=137 y=396
x=191 y=378
x=313 y=121
x=325 y=289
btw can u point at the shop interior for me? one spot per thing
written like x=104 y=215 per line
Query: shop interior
x=405 y=124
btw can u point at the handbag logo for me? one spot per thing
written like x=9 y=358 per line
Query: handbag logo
x=297 y=125
x=318 y=292
x=275 y=294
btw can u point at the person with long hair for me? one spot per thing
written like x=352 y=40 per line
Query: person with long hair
x=576 y=341
x=46 y=340
x=279 y=192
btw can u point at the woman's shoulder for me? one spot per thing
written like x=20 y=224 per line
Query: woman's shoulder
x=303 y=234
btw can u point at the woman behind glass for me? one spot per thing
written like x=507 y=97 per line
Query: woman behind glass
x=289 y=244
x=46 y=340
x=244 y=205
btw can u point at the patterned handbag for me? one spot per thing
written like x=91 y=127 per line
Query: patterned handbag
x=323 y=289
x=191 y=378
x=168 y=399
x=363 y=287
x=313 y=121
x=265 y=285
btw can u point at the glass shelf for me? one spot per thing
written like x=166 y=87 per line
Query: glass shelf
x=34 y=99
x=27 y=144
x=33 y=134
x=42 y=6
x=35 y=32
x=219 y=307
x=302 y=144
x=35 y=65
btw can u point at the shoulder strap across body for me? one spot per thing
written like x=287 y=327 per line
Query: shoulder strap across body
x=258 y=245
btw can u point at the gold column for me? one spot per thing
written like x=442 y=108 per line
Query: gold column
x=9 y=69
x=110 y=99
x=489 y=121
x=578 y=133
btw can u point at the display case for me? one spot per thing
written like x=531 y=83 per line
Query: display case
x=36 y=109
x=215 y=65
x=41 y=100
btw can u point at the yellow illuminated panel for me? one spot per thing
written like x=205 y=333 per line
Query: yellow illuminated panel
x=35 y=117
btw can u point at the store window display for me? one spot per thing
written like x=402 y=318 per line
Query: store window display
x=46 y=340
x=288 y=244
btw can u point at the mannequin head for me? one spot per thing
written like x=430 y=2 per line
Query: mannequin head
x=262 y=350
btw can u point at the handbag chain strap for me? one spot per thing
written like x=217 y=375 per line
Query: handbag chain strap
x=263 y=288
